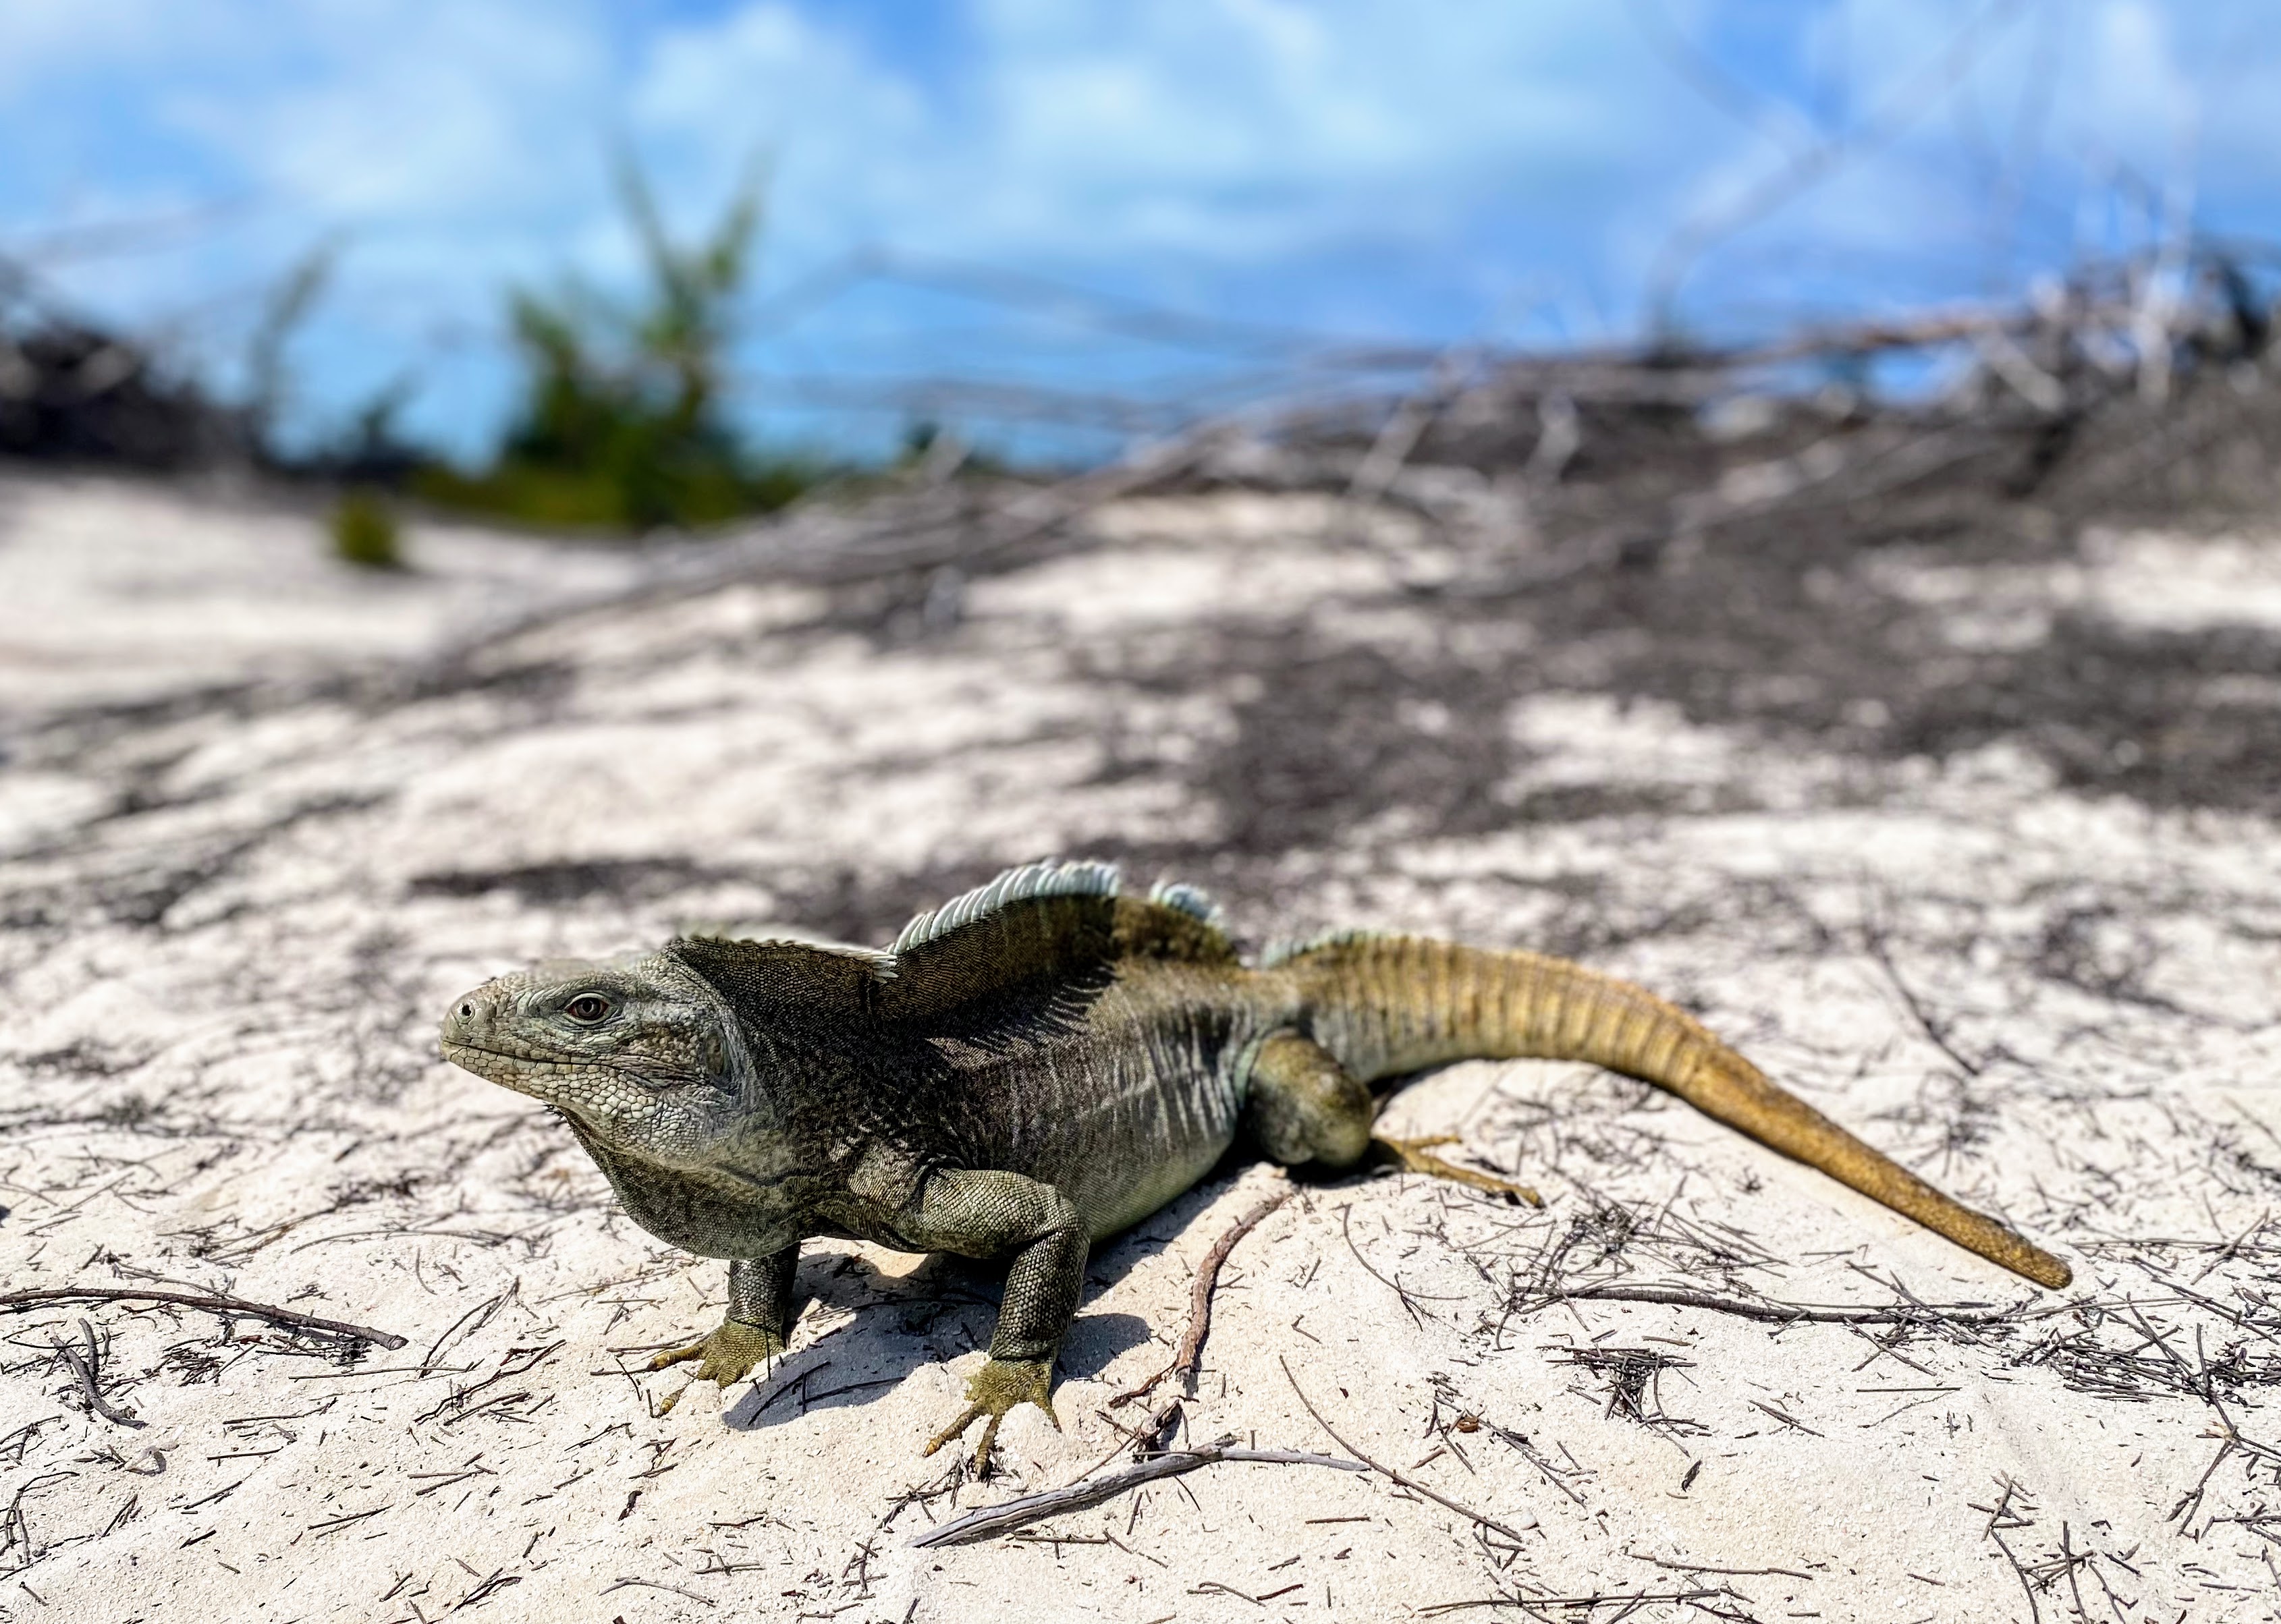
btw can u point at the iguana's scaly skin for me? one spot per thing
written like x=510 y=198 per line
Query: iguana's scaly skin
x=1039 y=1065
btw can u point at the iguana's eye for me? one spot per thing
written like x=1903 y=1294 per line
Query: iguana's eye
x=587 y=1008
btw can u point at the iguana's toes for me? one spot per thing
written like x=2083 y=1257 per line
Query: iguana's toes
x=992 y=1391
x=727 y=1354
x=1413 y=1157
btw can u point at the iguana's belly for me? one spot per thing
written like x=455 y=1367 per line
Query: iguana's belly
x=1129 y=1111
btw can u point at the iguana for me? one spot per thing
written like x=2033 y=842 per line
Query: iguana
x=1042 y=1062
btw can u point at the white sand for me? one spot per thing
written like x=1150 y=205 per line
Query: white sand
x=227 y=939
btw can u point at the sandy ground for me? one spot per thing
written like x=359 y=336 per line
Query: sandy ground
x=246 y=868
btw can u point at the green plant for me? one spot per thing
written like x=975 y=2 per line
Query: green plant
x=364 y=532
x=622 y=425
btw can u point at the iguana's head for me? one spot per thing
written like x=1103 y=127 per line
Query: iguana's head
x=643 y=1056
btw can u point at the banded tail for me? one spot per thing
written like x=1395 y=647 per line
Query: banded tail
x=1391 y=1004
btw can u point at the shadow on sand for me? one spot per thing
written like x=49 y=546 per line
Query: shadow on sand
x=938 y=1310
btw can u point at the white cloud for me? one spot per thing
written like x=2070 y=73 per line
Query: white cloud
x=1221 y=128
x=1278 y=128
x=2137 y=90
x=853 y=149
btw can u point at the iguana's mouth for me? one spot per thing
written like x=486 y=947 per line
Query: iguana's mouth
x=506 y=1067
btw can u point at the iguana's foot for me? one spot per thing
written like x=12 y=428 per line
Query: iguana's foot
x=1412 y=1155
x=993 y=1390
x=728 y=1353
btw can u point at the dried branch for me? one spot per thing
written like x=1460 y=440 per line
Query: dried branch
x=991 y=1521
x=1191 y=1350
x=1630 y=1601
x=627 y=1582
x=1803 y=170
x=1781 y=1313
x=22 y=1301
x=85 y=1370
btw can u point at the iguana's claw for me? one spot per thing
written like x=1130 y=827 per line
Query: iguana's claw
x=1413 y=1157
x=993 y=1390
x=727 y=1354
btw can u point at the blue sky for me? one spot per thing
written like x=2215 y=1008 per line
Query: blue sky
x=1444 y=173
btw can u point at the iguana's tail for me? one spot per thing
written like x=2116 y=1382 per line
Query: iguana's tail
x=1387 y=1005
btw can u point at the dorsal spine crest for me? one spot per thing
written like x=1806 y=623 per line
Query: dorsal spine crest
x=1190 y=899
x=1283 y=949
x=1035 y=879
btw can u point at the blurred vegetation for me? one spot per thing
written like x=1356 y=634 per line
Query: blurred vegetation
x=270 y=376
x=364 y=532
x=621 y=426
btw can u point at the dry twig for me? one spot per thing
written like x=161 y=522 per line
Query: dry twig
x=1389 y=1472
x=993 y=1520
x=85 y=1370
x=1781 y=1313
x=1191 y=1350
x=22 y=1301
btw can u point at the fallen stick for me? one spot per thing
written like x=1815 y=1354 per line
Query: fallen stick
x=1773 y=1313
x=993 y=1520
x=1191 y=1351
x=85 y=1369
x=1389 y=1472
x=21 y=1302
x=1530 y=1604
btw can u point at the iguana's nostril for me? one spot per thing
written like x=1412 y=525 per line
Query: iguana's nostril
x=467 y=1012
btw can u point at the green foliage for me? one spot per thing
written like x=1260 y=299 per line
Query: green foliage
x=364 y=532
x=621 y=426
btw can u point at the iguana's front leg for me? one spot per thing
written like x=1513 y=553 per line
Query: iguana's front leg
x=987 y=1214
x=760 y=1309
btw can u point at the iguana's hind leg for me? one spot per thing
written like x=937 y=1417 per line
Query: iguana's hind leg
x=1414 y=1155
x=1305 y=1106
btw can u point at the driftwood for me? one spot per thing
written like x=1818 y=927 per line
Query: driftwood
x=22 y=1301
x=993 y=1520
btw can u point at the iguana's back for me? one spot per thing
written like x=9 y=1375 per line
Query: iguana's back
x=1126 y=1092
